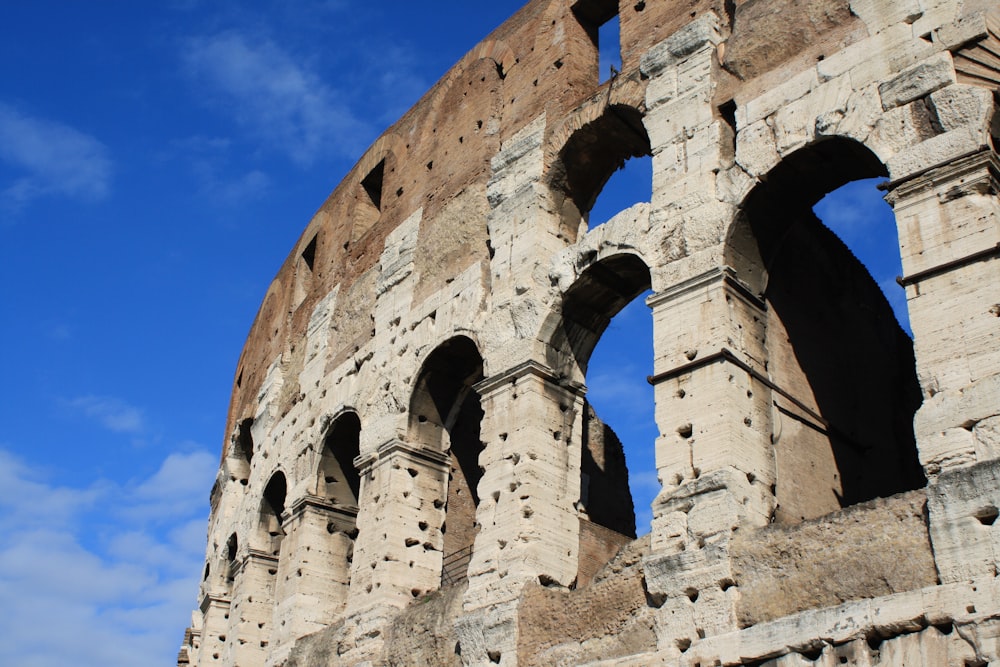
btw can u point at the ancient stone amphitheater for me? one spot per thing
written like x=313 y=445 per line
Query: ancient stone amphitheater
x=414 y=475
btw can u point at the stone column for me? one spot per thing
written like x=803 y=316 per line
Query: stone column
x=528 y=495
x=529 y=523
x=949 y=234
x=714 y=457
x=251 y=610
x=314 y=571
x=214 y=626
x=397 y=554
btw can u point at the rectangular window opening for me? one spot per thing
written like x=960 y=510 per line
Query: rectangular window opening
x=609 y=49
x=600 y=19
x=309 y=254
x=372 y=184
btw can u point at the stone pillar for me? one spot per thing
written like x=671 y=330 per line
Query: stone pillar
x=251 y=610
x=214 y=628
x=529 y=523
x=314 y=571
x=949 y=234
x=714 y=456
x=712 y=409
x=528 y=495
x=397 y=555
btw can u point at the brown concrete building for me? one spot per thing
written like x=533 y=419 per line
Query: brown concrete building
x=414 y=475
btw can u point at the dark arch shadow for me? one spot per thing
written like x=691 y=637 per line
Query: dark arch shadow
x=445 y=415
x=833 y=341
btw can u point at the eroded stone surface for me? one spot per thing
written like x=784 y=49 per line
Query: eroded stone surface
x=414 y=474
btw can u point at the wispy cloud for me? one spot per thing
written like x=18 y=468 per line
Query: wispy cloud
x=88 y=583
x=50 y=158
x=113 y=413
x=274 y=96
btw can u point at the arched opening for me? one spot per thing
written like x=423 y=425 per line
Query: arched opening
x=607 y=511
x=232 y=548
x=445 y=416
x=339 y=482
x=842 y=370
x=241 y=453
x=592 y=155
x=272 y=509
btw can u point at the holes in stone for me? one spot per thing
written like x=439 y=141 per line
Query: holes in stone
x=422 y=418
x=558 y=64
x=639 y=6
x=945 y=628
x=422 y=525
x=685 y=430
x=412 y=472
x=683 y=644
x=813 y=654
x=692 y=594
x=971 y=609
x=415 y=592
x=987 y=516
x=494 y=657
x=412 y=542
x=430 y=165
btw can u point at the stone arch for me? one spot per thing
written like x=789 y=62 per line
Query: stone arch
x=841 y=370
x=231 y=561
x=338 y=481
x=272 y=508
x=445 y=416
x=602 y=289
x=587 y=149
x=240 y=454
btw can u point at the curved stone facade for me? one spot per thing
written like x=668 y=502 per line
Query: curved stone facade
x=414 y=475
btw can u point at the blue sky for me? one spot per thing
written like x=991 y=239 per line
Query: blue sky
x=157 y=163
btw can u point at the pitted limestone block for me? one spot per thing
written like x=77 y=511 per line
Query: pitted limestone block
x=756 y=149
x=879 y=14
x=950 y=409
x=968 y=28
x=861 y=113
x=795 y=124
x=396 y=262
x=936 y=151
x=732 y=185
x=792 y=89
x=684 y=574
x=922 y=79
x=957 y=106
x=686 y=41
x=987 y=438
x=901 y=128
x=963 y=507
x=855 y=59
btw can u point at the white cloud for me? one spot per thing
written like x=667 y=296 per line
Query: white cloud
x=275 y=97
x=50 y=158
x=89 y=583
x=112 y=413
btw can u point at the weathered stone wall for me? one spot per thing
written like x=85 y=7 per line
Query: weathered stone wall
x=414 y=474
